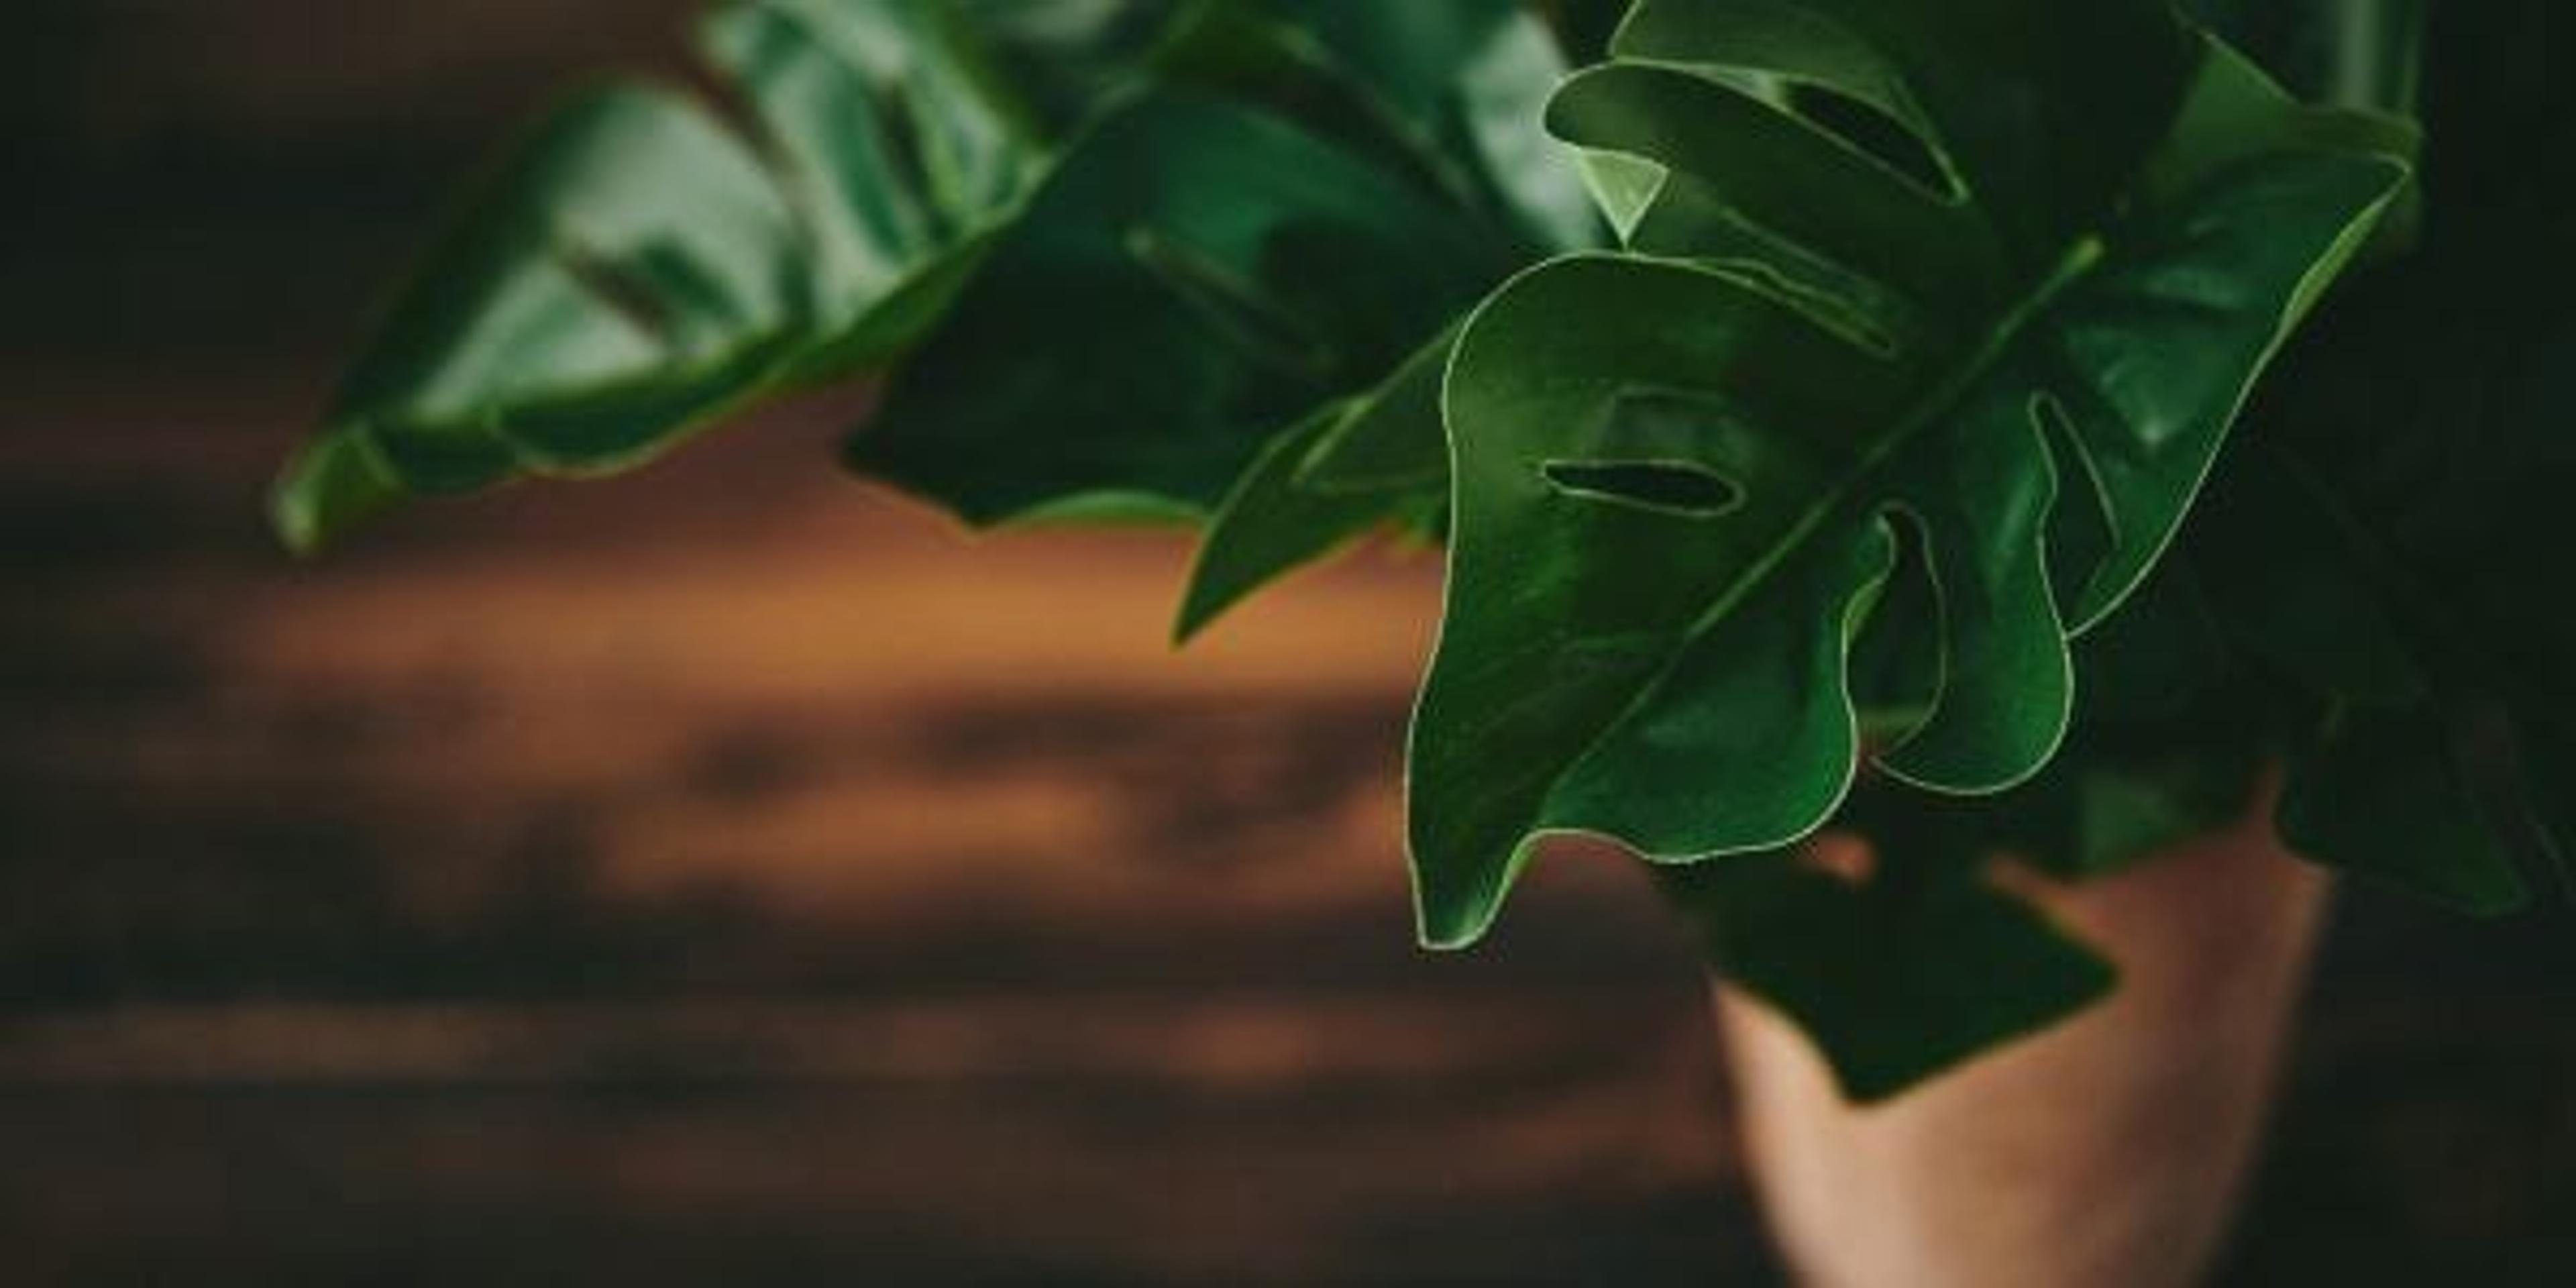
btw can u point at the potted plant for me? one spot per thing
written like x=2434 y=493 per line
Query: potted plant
x=1868 y=438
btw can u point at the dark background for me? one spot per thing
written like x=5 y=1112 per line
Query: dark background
x=733 y=874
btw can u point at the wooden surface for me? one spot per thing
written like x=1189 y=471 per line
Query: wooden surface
x=737 y=868
x=731 y=874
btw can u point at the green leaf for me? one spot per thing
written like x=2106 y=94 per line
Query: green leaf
x=1193 y=277
x=1899 y=976
x=2124 y=224
x=2348 y=53
x=2381 y=794
x=1584 y=27
x=2159 y=658
x=1899 y=973
x=1064 y=58
x=1235 y=264
x=886 y=128
x=1200 y=278
x=2168 y=743
x=2293 y=581
x=1451 y=94
x=2434 y=762
x=1449 y=91
x=1349 y=469
x=2093 y=814
x=1902 y=972
x=636 y=268
x=1270 y=526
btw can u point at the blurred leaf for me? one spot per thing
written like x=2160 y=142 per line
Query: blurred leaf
x=1064 y=58
x=2295 y=585
x=1584 y=27
x=2168 y=742
x=1193 y=277
x=885 y=125
x=2128 y=222
x=1349 y=469
x=1459 y=85
x=636 y=268
x=2434 y=759
x=2381 y=794
x=1452 y=95
x=2115 y=798
x=1897 y=977
x=2385 y=544
x=2346 y=53
x=640 y=270
x=1236 y=277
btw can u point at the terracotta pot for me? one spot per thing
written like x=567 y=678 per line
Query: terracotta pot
x=2108 y=1153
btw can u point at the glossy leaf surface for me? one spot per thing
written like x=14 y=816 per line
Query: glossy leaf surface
x=2126 y=230
x=1904 y=970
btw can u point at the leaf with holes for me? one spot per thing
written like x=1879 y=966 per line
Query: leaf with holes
x=1466 y=121
x=1977 y=290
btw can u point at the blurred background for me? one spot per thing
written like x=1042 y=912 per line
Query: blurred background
x=735 y=872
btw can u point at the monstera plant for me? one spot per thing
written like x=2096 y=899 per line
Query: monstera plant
x=1852 y=414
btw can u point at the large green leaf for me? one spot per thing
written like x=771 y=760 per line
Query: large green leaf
x=1452 y=93
x=2348 y=53
x=2388 y=546
x=1197 y=277
x=1897 y=976
x=1905 y=969
x=1454 y=89
x=1353 y=467
x=1199 y=280
x=1065 y=57
x=885 y=124
x=1683 y=477
x=2434 y=753
x=640 y=268
x=637 y=268
x=1584 y=27
x=1275 y=261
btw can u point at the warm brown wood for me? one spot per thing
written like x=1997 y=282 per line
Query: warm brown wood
x=735 y=871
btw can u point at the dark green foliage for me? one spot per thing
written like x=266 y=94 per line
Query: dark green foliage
x=2392 y=542
x=1102 y=289
x=1852 y=353
x=1824 y=464
x=1195 y=276
x=1896 y=977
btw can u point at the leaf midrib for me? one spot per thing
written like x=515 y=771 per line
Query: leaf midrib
x=2082 y=255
